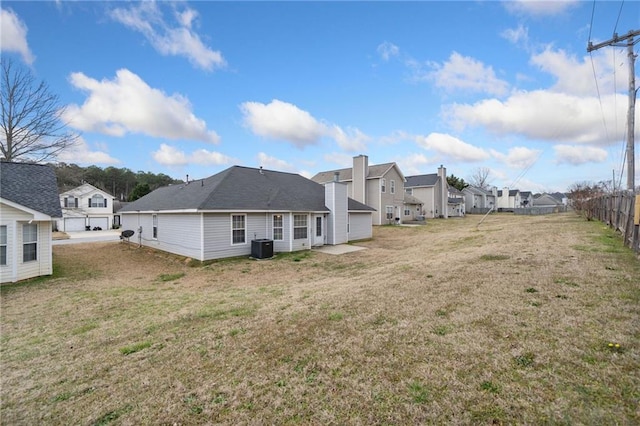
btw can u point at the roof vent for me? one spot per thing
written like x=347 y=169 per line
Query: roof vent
x=261 y=171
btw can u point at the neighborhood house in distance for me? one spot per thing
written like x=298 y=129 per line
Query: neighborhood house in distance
x=86 y=207
x=28 y=208
x=221 y=215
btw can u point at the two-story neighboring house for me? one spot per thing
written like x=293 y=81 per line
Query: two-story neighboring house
x=508 y=199
x=380 y=186
x=455 y=202
x=478 y=200
x=432 y=189
x=526 y=199
x=85 y=207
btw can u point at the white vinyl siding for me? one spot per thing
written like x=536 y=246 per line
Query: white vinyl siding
x=360 y=226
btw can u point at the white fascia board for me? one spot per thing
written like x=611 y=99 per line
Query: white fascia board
x=36 y=214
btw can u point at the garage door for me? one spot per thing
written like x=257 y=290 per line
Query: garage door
x=72 y=224
x=102 y=222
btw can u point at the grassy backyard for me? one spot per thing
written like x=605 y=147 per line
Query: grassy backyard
x=520 y=320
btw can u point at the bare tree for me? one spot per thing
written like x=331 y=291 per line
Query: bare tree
x=480 y=177
x=32 y=124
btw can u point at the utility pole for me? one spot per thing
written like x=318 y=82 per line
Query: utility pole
x=617 y=41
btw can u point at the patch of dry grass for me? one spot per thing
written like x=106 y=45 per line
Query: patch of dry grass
x=431 y=324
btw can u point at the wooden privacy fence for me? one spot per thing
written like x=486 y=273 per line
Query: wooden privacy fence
x=621 y=211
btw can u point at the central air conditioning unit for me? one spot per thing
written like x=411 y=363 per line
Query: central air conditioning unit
x=262 y=249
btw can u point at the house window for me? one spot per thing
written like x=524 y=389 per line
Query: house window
x=238 y=229
x=393 y=186
x=154 y=219
x=29 y=242
x=389 y=210
x=3 y=245
x=407 y=211
x=299 y=226
x=70 y=202
x=383 y=185
x=409 y=191
x=277 y=227
x=97 y=201
x=318 y=227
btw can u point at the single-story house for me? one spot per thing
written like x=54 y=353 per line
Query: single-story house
x=28 y=207
x=380 y=186
x=86 y=207
x=220 y=216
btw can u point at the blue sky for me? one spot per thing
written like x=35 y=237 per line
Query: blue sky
x=195 y=87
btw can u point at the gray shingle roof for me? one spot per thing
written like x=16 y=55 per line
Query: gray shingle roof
x=240 y=189
x=421 y=180
x=31 y=185
x=375 y=171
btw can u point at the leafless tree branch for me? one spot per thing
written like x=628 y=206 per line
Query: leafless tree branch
x=31 y=122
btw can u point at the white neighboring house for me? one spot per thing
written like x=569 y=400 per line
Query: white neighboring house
x=28 y=207
x=86 y=207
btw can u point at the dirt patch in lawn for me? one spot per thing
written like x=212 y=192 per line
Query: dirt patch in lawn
x=520 y=320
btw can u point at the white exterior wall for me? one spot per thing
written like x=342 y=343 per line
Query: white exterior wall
x=337 y=201
x=306 y=243
x=360 y=226
x=16 y=269
x=177 y=233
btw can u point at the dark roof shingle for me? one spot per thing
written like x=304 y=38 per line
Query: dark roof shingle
x=241 y=189
x=31 y=185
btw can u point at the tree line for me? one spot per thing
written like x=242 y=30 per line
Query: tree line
x=122 y=183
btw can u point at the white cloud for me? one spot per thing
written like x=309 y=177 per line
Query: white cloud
x=466 y=74
x=81 y=153
x=544 y=115
x=518 y=157
x=339 y=158
x=576 y=76
x=353 y=140
x=175 y=40
x=273 y=163
x=282 y=120
x=13 y=33
x=285 y=121
x=517 y=36
x=576 y=155
x=388 y=50
x=452 y=147
x=414 y=164
x=539 y=7
x=170 y=156
x=127 y=104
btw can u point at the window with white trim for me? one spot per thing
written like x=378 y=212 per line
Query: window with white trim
x=407 y=211
x=409 y=191
x=393 y=186
x=389 y=210
x=383 y=185
x=97 y=200
x=154 y=219
x=29 y=242
x=70 y=202
x=238 y=229
x=278 y=227
x=3 y=245
x=299 y=226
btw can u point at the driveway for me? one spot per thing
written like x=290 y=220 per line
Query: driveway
x=87 y=237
